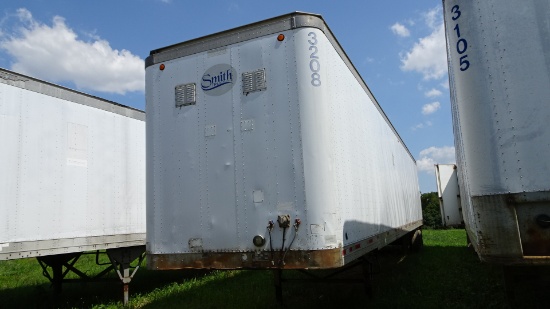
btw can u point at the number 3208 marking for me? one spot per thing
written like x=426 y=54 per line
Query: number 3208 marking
x=314 y=64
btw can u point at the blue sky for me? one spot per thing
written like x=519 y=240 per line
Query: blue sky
x=98 y=47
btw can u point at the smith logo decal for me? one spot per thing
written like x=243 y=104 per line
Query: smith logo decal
x=218 y=79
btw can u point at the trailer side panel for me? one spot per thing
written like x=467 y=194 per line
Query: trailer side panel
x=72 y=170
x=499 y=71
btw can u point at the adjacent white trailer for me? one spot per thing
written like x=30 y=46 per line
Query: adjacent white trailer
x=499 y=73
x=72 y=177
x=449 y=195
x=266 y=149
x=72 y=170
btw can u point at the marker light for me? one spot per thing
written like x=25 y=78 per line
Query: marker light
x=280 y=37
x=161 y=67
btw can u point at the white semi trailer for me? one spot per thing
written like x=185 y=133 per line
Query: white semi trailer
x=72 y=175
x=448 y=193
x=499 y=73
x=266 y=149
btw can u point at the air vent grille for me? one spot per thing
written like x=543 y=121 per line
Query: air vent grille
x=254 y=81
x=185 y=94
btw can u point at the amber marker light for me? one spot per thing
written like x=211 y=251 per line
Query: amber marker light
x=161 y=67
x=280 y=37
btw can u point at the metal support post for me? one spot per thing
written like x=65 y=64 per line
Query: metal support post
x=120 y=259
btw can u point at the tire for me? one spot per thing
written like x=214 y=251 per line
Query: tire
x=416 y=241
x=406 y=242
x=469 y=244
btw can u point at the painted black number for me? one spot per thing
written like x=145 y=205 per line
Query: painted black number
x=456 y=11
x=464 y=64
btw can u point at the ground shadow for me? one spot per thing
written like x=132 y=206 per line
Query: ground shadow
x=438 y=276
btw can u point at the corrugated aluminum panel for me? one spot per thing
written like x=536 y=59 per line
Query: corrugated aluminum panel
x=499 y=74
x=68 y=170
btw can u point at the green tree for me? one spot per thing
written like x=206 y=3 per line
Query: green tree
x=430 y=210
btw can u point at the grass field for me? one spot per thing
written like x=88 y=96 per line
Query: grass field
x=445 y=274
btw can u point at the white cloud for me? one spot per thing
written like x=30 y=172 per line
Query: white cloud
x=368 y=60
x=433 y=93
x=400 y=30
x=435 y=155
x=428 y=55
x=433 y=18
x=430 y=108
x=57 y=54
x=422 y=125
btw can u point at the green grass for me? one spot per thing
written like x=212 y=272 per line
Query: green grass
x=445 y=274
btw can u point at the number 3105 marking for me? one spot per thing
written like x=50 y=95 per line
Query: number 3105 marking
x=461 y=44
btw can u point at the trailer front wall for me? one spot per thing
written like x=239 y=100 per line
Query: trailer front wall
x=222 y=168
x=499 y=70
x=72 y=176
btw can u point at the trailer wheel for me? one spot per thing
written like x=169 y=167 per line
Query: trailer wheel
x=406 y=242
x=416 y=241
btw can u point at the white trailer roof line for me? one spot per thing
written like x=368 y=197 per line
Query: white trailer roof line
x=60 y=92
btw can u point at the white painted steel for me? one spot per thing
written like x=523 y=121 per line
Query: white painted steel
x=449 y=194
x=220 y=170
x=500 y=116
x=72 y=170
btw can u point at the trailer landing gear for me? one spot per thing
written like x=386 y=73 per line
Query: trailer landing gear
x=120 y=259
